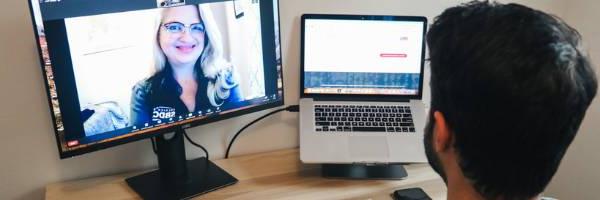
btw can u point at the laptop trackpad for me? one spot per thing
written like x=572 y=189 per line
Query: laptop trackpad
x=368 y=148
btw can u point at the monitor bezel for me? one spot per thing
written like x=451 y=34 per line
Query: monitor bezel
x=361 y=97
x=194 y=123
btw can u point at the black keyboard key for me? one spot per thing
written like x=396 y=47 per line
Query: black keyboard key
x=368 y=129
x=347 y=129
x=404 y=129
x=407 y=124
x=406 y=115
x=390 y=129
x=398 y=129
x=318 y=110
x=361 y=123
x=320 y=119
x=411 y=129
x=319 y=130
x=339 y=128
x=322 y=123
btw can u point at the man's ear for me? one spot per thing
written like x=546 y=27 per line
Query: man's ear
x=442 y=137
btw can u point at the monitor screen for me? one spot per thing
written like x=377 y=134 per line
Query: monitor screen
x=119 y=71
x=363 y=55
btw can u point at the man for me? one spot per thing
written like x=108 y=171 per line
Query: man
x=509 y=87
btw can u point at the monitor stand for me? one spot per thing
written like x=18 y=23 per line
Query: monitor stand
x=364 y=171
x=176 y=177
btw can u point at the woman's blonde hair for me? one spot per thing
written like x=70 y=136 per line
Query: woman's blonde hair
x=219 y=71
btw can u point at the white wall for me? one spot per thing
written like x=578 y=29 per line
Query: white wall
x=578 y=176
x=27 y=145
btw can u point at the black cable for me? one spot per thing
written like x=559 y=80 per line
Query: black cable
x=292 y=108
x=195 y=144
x=154 y=145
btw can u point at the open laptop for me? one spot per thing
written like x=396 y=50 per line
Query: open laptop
x=361 y=89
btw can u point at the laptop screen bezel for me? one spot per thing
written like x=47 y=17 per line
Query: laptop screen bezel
x=369 y=97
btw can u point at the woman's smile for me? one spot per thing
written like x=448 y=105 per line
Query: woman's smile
x=186 y=48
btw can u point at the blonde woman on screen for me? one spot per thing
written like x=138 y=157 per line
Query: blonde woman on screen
x=190 y=74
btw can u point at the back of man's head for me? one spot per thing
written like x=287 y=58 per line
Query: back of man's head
x=513 y=87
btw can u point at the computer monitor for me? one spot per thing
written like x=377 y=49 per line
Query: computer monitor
x=121 y=71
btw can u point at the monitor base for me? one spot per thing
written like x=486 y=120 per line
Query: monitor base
x=203 y=176
x=364 y=171
x=176 y=177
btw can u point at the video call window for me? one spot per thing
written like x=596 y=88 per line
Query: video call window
x=139 y=70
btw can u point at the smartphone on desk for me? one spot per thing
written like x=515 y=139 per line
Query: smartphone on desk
x=410 y=194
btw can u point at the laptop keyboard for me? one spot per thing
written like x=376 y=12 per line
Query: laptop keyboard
x=363 y=118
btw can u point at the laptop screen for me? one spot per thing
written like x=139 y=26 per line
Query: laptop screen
x=366 y=55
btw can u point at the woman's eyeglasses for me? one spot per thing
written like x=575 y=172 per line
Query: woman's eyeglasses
x=178 y=27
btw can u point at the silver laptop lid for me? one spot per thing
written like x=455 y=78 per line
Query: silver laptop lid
x=367 y=57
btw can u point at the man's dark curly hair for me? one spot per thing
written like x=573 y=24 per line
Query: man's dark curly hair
x=514 y=86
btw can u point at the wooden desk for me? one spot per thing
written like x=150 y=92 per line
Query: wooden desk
x=272 y=175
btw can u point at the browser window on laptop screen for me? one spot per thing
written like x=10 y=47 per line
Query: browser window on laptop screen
x=364 y=57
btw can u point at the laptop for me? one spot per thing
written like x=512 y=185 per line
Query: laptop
x=361 y=88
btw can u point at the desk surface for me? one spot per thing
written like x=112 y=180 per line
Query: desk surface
x=272 y=175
